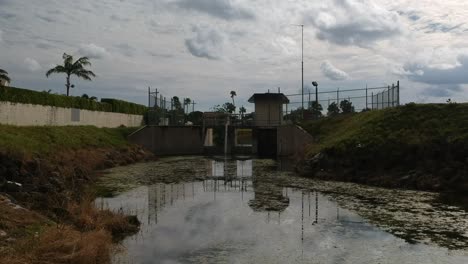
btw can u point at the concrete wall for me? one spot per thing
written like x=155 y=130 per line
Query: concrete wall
x=39 y=115
x=268 y=113
x=292 y=140
x=164 y=140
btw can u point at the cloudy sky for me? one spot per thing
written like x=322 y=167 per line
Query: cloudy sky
x=203 y=49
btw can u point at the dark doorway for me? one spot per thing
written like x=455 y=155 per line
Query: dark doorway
x=266 y=139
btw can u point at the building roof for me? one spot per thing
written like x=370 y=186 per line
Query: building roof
x=269 y=96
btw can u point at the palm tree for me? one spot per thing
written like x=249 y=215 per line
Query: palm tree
x=233 y=93
x=242 y=111
x=187 y=102
x=71 y=67
x=4 y=75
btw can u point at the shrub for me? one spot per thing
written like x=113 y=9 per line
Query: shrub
x=24 y=96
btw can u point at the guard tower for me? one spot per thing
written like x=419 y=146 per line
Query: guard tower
x=268 y=109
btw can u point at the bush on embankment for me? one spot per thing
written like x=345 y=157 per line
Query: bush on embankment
x=413 y=146
x=45 y=170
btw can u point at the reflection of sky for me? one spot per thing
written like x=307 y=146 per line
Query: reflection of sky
x=217 y=168
x=188 y=223
x=244 y=168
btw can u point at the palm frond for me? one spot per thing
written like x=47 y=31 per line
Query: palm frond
x=5 y=77
x=84 y=74
x=56 y=69
x=83 y=61
x=2 y=71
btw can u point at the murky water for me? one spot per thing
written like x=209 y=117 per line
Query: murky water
x=245 y=211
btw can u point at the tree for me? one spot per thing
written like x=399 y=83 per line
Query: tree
x=225 y=108
x=316 y=109
x=85 y=96
x=333 y=109
x=187 y=103
x=4 y=75
x=242 y=111
x=71 y=67
x=346 y=107
x=233 y=93
x=176 y=103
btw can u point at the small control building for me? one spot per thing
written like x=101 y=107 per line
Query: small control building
x=268 y=109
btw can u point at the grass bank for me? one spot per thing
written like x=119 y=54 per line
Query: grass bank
x=46 y=213
x=417 y=146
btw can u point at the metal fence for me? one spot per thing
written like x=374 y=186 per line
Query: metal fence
x=367 y=98
x=170 y=111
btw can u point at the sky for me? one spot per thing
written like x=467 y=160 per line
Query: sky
x=203 y=49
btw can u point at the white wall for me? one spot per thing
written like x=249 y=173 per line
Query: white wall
x=39 y=115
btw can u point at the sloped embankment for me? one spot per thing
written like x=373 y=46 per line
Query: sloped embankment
x=46 y=214
x=414 y=146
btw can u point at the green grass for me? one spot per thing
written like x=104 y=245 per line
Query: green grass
x=386 y=130
x=46 y=140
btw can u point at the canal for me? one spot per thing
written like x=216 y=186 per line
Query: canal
x=201 y=210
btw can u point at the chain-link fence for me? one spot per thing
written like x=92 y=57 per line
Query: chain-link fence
x=339 y=100
x=171 y=111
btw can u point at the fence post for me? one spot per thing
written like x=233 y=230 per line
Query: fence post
x=149 y=97
x=372 y=100
x=338 y=96
x=377 y=101
x=383 y=99
x=366 y=98
x=388 y=96
x=393 y=95
x=398 y=93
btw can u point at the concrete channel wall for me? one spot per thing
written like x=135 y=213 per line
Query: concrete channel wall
x=165 y=140
x=40 y=115
x=292 y=140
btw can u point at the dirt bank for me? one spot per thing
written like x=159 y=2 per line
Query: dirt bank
x=46 y=213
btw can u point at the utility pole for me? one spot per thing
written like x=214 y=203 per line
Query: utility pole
x=302 y=28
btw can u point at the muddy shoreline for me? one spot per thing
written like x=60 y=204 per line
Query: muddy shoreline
x=47 y=199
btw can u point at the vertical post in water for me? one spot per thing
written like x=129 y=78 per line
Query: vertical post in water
x=226 y=137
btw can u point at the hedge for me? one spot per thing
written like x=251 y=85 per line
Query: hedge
x=125 y=107
x=18 y=95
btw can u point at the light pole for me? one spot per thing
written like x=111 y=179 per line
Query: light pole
x=316 y=91
x=302 y=62
x=302 y=68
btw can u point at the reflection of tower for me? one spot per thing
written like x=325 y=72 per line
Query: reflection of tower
x=152 y=204
x=316 y=208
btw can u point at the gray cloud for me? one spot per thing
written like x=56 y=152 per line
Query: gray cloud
x=32 y=65
x=333 y=73
x=1 y=36
x=352 y=22
x=223 y=9
x=207 y=43
x=441 y=27
x=93 y=51
x=442 y=90
x=119 y=18
x=430 y=75
x=126 y=49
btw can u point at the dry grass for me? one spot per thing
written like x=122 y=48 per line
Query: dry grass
x=62 y=245
x=87 y=217
x=89 y=239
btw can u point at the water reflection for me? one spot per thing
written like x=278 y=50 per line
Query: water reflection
x=236 y=216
